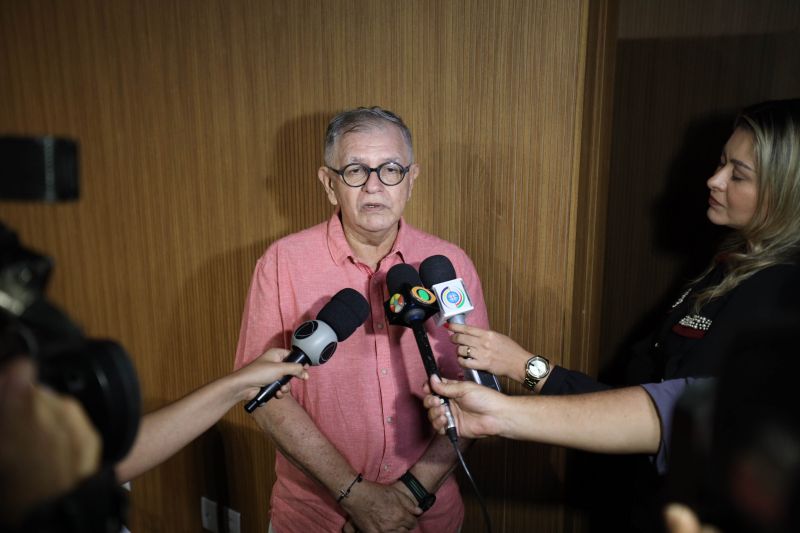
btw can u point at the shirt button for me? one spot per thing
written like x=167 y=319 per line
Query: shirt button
x=384 y=371
x=385 y=468
x=389 y=419
x=379 y=325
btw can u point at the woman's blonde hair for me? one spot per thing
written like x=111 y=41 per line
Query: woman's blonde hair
x=772 y=236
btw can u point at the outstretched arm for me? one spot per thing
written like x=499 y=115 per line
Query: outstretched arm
x=167 y=430
x=614 y=421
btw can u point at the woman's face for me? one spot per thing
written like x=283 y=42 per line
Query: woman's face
x=732 y=200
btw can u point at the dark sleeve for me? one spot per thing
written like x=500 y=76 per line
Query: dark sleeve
x=563 y=381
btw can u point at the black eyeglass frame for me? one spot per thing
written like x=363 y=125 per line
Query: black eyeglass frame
x=370 y=170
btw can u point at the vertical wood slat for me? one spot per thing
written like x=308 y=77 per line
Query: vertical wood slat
x=200 y=127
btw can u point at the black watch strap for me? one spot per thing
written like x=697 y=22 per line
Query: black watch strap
x=424 y=498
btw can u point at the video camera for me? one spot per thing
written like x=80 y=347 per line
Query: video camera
x=98 y=373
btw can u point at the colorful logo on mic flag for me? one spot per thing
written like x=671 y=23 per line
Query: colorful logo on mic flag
x=453 y=297
x=423 y=295
x=396 y=303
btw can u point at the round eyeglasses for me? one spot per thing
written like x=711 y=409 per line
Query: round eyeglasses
x=357 y=174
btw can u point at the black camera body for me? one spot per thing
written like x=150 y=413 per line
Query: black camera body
x=97 y=373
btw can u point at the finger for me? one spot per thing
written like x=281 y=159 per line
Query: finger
x=681 y=519
x=437 y=386
x=458 y=328
x=470 y=331
x=274 y=355
x=289 y=369
x=439 y=424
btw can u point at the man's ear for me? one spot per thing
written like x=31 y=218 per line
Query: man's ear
x=413 y=172
x=326 y=179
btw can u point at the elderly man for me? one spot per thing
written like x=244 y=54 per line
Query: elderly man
x=354 y=441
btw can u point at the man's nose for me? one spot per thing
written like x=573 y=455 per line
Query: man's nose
x=371 y=183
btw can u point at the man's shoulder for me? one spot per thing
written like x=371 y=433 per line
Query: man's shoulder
x=427 y=242
x=299 y=241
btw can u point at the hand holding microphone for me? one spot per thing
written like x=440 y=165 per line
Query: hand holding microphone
x=438 y=275
x=480 y=411
x=314 y=342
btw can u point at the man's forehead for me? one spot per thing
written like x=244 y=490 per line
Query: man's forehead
x=387 y=136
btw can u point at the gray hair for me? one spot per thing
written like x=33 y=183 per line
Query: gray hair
x=363 y=119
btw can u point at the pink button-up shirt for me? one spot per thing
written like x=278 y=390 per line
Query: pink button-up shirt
x=367 y=399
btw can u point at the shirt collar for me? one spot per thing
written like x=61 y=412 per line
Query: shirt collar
x=340 y=249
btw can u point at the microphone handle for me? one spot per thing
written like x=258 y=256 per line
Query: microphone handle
x=425 y=350
x=266 y=393
x=432 y=369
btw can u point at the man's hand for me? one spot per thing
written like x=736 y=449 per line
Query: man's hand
x=374 y=508
x=478 y=411
x=47 y=444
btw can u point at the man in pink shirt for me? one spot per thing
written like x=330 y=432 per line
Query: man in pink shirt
x=347 y=436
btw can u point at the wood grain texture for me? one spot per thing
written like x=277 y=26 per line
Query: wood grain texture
x=674 y=103
x=200 y=126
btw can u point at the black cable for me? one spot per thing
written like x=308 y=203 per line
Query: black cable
x=485 y=511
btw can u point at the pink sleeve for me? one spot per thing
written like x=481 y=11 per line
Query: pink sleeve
x=262 y=321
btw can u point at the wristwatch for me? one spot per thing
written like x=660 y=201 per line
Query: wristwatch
x=536 y=369
x=424 y=498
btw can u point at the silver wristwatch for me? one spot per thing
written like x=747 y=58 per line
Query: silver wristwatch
x=536 y=369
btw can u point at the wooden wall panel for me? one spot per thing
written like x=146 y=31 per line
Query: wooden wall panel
x=201 y=124
x=683 y=70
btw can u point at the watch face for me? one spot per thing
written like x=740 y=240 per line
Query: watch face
x=537 y=368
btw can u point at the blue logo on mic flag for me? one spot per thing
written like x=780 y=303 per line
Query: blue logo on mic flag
x=454 y=297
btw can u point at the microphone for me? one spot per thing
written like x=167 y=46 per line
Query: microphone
x=438 y=275
x=410 y=305
x=314 y=342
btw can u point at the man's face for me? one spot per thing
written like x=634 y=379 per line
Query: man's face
x=372 y=210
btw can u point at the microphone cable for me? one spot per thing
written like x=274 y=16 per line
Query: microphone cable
x=453 y=437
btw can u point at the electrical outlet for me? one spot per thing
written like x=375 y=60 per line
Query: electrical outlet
x=233 y=521
x=208 y=515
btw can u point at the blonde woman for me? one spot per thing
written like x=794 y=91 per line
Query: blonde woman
x=754 y=279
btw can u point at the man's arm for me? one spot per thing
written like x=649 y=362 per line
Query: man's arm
x=373 y=507
x=167 y=430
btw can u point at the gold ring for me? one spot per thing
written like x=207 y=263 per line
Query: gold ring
x=469 y=351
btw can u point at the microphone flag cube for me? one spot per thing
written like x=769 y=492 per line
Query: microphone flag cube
x=453 y=299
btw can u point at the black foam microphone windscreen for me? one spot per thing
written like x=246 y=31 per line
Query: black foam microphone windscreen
x=400 y=275
x=347 y=310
